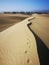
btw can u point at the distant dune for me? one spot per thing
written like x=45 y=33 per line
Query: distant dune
x=7 y=20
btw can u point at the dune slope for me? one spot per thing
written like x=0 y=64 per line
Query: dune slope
x=40 y=25
x=18 y=46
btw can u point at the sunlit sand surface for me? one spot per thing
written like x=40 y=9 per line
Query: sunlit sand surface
x=40 y=25
x=27 y=42
x=18 y=45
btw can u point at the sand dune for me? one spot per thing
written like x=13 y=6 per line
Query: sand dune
x=7 y=20
x=18 y=46
x=26 y=43
x=40 y=25
x=40 y=31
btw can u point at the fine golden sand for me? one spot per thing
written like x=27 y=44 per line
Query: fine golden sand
x=18 y=43
x=40 y=25
x=18 y=46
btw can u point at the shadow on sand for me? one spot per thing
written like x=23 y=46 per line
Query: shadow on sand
x=43 y=51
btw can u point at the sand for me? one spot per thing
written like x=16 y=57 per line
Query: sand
x=40 y=25
x=8 y=20
x=18 y=45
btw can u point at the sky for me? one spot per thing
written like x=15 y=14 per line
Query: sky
x=23 y=5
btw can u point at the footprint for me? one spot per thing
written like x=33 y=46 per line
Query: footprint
x=25 y=51
x=29 y=46
x=27 y=43
x=27 y=60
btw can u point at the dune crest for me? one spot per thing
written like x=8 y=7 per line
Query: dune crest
x=18 y=46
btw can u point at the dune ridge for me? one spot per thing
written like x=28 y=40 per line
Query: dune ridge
x=18 y=45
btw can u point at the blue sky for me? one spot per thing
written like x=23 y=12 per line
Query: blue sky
x=23 y=5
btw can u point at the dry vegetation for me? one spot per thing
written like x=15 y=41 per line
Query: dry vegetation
x=7 y=20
